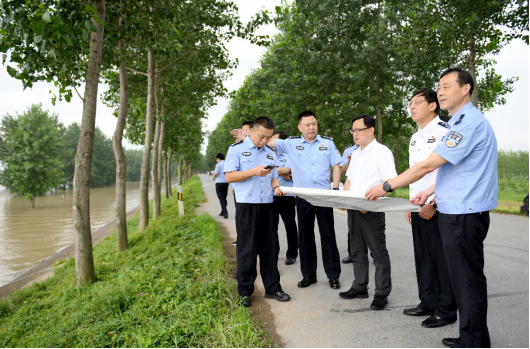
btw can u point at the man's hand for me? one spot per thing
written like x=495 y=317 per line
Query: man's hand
x=409 y=219
x=349 y=158
x=420 y=198
x=261 y=171
x=427 y=212
x=375 y=192
x=239 y=134
x=364 y=212
x=279 y=192
x=287 y=177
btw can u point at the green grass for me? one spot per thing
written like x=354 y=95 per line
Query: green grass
x=170 y=288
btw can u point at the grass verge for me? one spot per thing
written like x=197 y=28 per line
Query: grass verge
x=508 y=203
x=169 y=288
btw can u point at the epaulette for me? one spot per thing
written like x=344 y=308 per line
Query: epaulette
x=294 y=137
x=414 y=132
x=459 y=119
x=236 y=143
x=443 y=124
x=350 y=146
x=270 y=148
x=326 y=137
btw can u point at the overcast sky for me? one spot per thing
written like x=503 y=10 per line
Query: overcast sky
x=511 y=121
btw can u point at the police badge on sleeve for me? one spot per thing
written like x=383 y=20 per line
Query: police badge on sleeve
x=453 y=139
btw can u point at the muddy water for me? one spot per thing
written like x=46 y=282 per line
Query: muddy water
x=29 y=235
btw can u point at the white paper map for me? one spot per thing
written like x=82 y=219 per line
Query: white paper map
x=351 y=200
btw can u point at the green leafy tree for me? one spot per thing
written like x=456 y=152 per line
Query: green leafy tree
x=30 y=152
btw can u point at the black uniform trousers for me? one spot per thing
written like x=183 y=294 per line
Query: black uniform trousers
x=256 y=237
x=222 y=191
x=306 y=239
x=463 y=240
x=369 y=230
x=434 y=286
x=285 y=206
x=350 y=223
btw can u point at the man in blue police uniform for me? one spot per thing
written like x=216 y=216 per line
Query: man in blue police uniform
x=251 y=167
x=466 y=189
x=285 y=205
x=312 y=156
x=344 y=165
x=221 y=185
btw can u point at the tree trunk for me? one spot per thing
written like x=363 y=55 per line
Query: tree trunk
x=84 y=262
x=473 y=70
x=179 y=170
x=154 y=173
x=121 y=161
x=160 y=152
x=168 y=174
x=144 y=175
x=378 y=80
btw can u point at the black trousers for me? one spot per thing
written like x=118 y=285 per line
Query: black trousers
x=369 y=230
x=463 y=240
x=285 y=207
x=222 y=190
x=256 y=236
x=306 y=239
x=434 y=285
x=350 y=223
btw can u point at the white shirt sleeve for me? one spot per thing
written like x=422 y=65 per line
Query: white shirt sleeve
x=386 y=165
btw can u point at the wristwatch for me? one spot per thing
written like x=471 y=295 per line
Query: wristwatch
x=335 y=188
x=387 y=187
x=433 y=205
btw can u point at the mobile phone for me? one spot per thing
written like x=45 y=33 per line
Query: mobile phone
x=270 y=167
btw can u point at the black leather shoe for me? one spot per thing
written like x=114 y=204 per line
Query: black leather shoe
x=306 y=282
x=334 y=283
x=290 y=261
x=226 y=215
x=435 y=321
x=234 y=243
x=347 y=260
x=245 y=301
x=221 y=214
x=353 y=293
x=379 y=302
x=279 y=296
x=417 y=311
x=448 y=342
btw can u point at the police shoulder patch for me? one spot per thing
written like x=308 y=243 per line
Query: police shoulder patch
x=326 y=137
x=443 y=124
x=453 y=139
x=236 y=143
x=294 y=137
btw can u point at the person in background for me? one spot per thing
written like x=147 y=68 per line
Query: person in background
x=221 y=185
x=466 y=190
x=285 y=205
x=371 y=164
x=434 y=286
x=251 y=167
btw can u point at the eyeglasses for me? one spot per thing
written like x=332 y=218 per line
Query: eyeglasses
x=357 y=130
x=416 y=102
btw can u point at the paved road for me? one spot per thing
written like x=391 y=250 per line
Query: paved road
x=317 y=317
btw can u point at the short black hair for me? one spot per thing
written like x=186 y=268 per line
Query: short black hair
x=249 y=123
x=463 y=77
x=263 y=121
x=282 y=134
x=306 y=113
x=220 y=156
x=430 y=96
x=368 y=120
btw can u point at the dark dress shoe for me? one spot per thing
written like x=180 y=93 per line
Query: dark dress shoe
x=234 y=243
x=221 y=214
x=289 y=261
x=417 y=311
x=245 y=301
x=435 y=321
x=226 y=215
x=334 y=283
x=448 y=342
x=347 y=260
x=353 y=293
x=380 y=301
x=279 y=296
x=306 y=282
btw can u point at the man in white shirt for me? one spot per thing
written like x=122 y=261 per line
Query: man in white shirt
x=434 y=286
x=372 y=163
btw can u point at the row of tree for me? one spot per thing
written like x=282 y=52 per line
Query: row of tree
x=345 y=58
x=37 y=154
x=164 y=62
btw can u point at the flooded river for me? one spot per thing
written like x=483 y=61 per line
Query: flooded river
x=29 y=235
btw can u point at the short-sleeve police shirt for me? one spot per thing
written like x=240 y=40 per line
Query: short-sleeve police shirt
x=310 y=162
x=283 y=161
x=219 y=169
x=468 y=182
x=422 y=144
x=243 y=156
x=347 y=152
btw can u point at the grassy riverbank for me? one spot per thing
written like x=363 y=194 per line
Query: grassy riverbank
x=170 y=288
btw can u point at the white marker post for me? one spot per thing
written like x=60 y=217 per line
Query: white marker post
x=181 y=202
